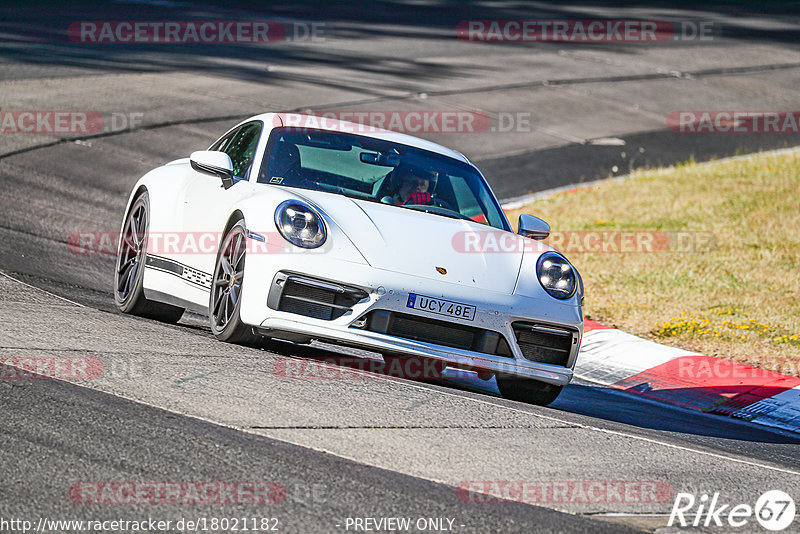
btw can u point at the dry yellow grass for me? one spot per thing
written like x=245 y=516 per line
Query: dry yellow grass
x=736 y=296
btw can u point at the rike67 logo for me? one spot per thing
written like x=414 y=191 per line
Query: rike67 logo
x=774 y=510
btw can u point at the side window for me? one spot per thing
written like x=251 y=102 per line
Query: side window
x=222 y=142
x=242 y=148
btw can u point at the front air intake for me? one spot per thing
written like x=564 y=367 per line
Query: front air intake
x=311 y=297
x=544 y=344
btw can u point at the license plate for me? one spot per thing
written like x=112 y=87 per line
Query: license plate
x=441 y=307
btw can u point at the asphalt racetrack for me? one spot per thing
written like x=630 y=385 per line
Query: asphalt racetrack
x=175 y=405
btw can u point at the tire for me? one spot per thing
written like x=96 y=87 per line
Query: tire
x=129 y=268
x=526 y=390
x=226 y=290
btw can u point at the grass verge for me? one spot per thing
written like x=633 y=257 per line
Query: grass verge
x=701 y=256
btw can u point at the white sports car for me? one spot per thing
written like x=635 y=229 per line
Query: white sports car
x=352 y=235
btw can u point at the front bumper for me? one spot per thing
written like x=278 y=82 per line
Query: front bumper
x=551 y=374
x=388 y=292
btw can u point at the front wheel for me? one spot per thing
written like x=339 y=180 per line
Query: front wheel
x=526 y=390
x=226 y=289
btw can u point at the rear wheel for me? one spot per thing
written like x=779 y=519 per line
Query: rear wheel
x=129 y=273
x=226 y=289
x=527 y=390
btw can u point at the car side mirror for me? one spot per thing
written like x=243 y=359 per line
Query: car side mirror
x=215 y=163
x=533 y=227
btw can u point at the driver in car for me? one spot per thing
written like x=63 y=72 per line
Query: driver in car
x=413 y=188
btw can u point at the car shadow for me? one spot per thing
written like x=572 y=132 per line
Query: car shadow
x=631 y=409
x=324 y=361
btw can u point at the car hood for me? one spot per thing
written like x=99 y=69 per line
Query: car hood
x=418 y=243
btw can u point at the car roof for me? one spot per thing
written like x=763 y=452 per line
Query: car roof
x=327 y=123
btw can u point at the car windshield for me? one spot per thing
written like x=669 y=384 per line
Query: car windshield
x=379 y=171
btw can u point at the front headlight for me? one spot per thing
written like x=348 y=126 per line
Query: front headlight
x=299 y=224
x=556 y=275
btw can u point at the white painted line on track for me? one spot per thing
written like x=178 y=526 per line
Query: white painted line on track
x=632 y=436
x=42 y=290
x=466 y=398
